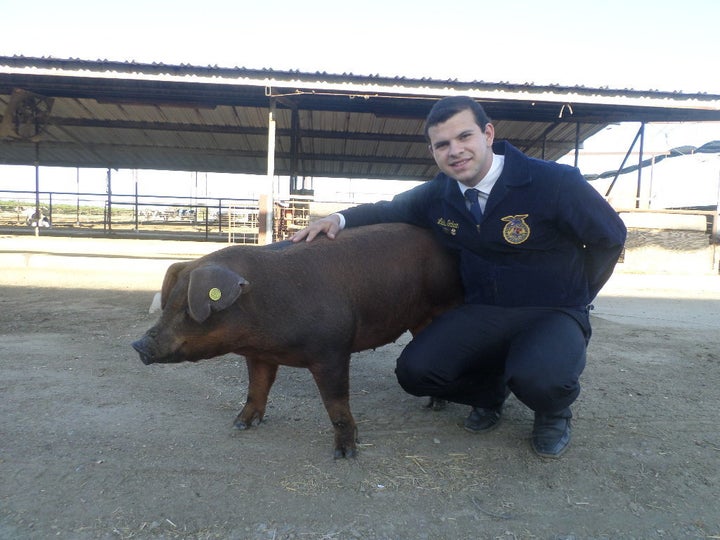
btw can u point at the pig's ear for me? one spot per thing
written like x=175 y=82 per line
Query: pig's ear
x=171 y=277
x=212 y=288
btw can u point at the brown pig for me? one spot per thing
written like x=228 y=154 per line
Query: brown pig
x=303 y=305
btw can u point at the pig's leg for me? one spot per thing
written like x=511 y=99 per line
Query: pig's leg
x=261 y=377
x=333 y=380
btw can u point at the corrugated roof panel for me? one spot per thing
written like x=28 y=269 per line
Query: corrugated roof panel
x=133 y=115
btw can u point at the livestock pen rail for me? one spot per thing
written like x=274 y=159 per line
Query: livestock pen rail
x=659 y=239
x=192 y=218
x=671 y=240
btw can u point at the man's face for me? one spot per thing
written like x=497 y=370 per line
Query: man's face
x=461 y=149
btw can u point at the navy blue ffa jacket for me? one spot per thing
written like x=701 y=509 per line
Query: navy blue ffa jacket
x=547 y=237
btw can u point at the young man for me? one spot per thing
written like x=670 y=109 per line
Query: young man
x=535 y=242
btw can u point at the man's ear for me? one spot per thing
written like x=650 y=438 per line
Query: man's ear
x=489 y=133
x=212 y=288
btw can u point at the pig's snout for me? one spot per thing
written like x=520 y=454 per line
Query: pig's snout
x=144 y=348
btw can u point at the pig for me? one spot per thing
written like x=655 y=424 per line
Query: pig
x=308 y=304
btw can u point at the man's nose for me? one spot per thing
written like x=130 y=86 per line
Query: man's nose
x=454 y=148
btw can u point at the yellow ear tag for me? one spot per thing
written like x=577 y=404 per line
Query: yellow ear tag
x=214 y=294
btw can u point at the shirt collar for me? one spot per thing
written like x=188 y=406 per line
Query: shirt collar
x=485 y=185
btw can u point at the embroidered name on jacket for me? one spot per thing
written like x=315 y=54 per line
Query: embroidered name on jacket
x=448 y=226
x=516 y=231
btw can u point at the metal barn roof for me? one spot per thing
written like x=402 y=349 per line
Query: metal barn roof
x=78 y=113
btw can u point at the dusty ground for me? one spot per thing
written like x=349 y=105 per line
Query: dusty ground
x=95 y=445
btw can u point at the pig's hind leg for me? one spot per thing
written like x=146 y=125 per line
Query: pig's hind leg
x=261 y=377
x=332 y=377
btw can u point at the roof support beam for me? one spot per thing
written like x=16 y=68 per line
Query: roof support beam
x=298 y=133
x=640 y=132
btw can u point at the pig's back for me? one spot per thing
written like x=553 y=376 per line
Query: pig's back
x=395 y=277
x=362 y=290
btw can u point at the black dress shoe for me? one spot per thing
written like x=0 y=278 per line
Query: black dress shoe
x=481 y=420
x=551 y=433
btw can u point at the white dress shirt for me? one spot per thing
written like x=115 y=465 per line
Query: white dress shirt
x=485 y=185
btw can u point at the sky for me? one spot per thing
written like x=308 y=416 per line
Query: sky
x=639 y=44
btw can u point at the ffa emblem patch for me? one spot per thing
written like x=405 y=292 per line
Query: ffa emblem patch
x=516 y=231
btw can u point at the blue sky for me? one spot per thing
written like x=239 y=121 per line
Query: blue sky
x=640 y=44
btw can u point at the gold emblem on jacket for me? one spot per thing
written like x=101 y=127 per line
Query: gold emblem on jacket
x=516 y=231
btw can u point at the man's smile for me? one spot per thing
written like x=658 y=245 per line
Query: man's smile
x=460 y=164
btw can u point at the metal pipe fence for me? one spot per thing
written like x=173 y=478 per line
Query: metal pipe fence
x=198 y=218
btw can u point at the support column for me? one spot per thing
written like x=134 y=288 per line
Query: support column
x=108 y=206
x=266 y=200
x=640 y=160
x=577 y=143
x=622 y=165
x=37 y=189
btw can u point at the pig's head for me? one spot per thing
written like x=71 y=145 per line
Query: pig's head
x=196 y=315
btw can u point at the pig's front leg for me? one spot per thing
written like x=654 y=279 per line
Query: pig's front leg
x=261 y=377
x=333 y=380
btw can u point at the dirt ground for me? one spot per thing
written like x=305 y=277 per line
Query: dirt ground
x=93 y=444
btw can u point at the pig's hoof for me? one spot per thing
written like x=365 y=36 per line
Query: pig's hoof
x=436 y=404
x=241 y=424
x=243 y=421
x=341 y=453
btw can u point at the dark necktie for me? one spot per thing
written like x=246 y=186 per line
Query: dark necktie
x=472 y=196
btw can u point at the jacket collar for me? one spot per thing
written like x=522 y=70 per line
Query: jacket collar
x=516 y=171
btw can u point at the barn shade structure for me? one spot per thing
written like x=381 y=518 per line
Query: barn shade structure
x=78 y=113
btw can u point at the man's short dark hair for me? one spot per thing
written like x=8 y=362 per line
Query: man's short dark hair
x=448 y=107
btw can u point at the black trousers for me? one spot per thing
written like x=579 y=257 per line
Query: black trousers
x=474 y=353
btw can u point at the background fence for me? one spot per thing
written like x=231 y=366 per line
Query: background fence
x=658 y=240
x=193 y=218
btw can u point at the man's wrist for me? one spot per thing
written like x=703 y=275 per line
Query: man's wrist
x=341 y=218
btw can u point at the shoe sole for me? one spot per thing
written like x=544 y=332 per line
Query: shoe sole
x=551 y=456
x=480 y=431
